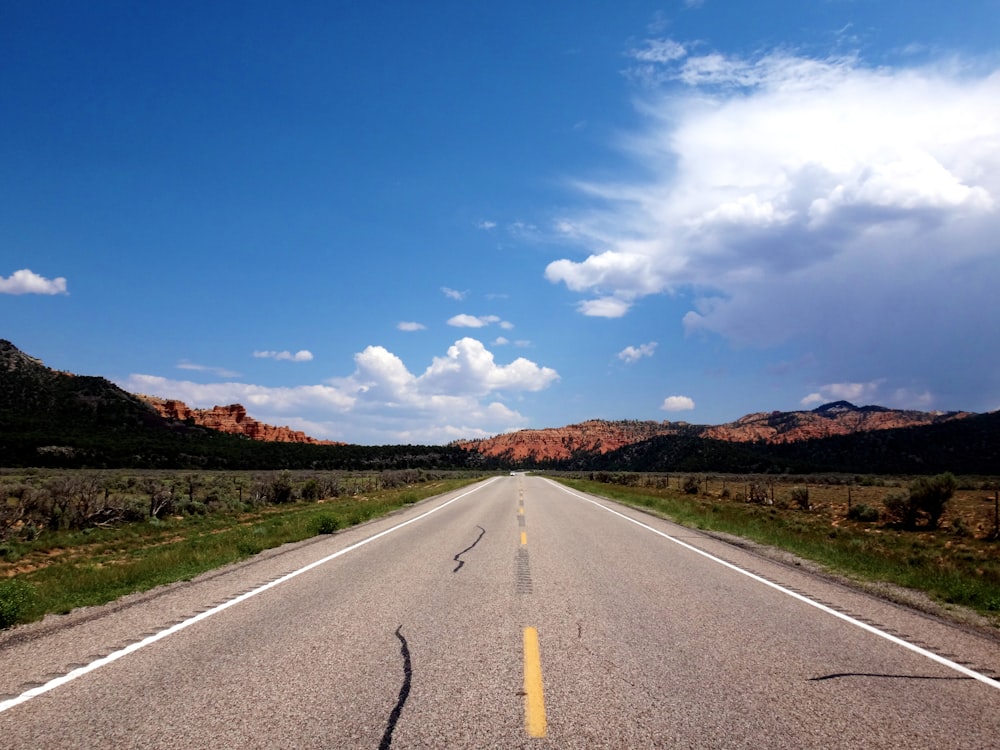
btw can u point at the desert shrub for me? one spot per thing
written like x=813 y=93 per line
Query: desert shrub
x=899 y=510
x=960 y=528
x=16 y=598
x=725 y=492
x=930 y=495
x=280 y=490
x=326 y=524
x=800 y=496
x=311 y=490
x=863 y=512
x=691 y=485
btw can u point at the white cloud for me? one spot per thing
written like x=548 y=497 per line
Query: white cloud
x=677 y=403
x=477 y=321
x=454 y=293
x=659 y=51
x=27 y=281
x=303 y=355
x=631 y=354
x=459 y=395
x=407 y=325
x=849 y=208
x=604 y=307
x=220 y=372
x=469 y=368
x=487 y=225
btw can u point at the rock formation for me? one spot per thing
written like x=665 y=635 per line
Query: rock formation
x=232 y=419
x=602 y=436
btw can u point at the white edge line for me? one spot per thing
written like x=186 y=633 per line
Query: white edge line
x=116 y=655
x=806 y=600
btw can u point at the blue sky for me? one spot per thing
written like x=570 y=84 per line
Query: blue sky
x=395 y=222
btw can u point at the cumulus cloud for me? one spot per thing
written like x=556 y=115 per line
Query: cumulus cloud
x=486 y=224
x=303 y=355
x=460 y=394
x=407 y=325
x=677 y=403
x=631 y=354
x=27 y=281
x=819 y=201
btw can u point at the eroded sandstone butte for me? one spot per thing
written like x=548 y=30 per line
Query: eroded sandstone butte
x=232 y=419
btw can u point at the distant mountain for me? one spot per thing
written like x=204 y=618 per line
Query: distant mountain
x=597 y=437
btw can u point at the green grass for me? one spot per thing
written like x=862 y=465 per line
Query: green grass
x=927 y=562
x=65 y=570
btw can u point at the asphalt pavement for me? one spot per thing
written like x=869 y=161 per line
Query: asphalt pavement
x=513 y=613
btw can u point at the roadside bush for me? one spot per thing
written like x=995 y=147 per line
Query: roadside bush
x=16 y=598
x=691 y=485
x=863 y=512
x=326 y=524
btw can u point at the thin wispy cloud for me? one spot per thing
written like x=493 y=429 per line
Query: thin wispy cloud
x=478 y=321
x=220 y=372
x=303 y=355
x=27 y=281
x=454 y=293
x=407 y=325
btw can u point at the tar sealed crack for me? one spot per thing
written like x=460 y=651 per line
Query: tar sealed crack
x=404 y=691
x=458 y=567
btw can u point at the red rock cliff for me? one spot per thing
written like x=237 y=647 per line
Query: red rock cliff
x=232 y=419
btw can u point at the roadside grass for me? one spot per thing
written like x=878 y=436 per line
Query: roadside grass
x=951 y=568
x=60 y=571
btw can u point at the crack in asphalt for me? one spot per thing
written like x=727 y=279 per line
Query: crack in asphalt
x=482 y=532
x=404 y=691
x=839 y=675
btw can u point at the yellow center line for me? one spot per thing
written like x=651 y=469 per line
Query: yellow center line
x=524 y=537
x=534 y=697
x=520 y=511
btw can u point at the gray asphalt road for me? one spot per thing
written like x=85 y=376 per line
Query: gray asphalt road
x=648 y=635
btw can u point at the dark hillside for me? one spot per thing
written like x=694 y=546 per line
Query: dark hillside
x=55 y=419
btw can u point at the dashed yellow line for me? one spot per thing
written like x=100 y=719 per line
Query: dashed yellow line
x=524 y=537
x=534 y=697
